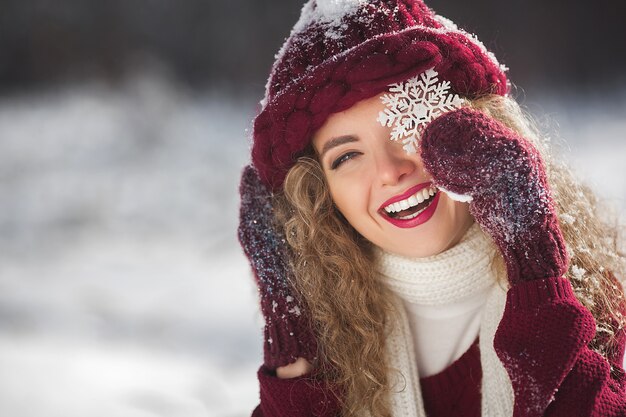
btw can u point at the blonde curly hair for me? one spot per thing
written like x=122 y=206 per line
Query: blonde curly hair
x=349 y=307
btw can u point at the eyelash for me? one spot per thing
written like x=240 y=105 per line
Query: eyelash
x=342 y=159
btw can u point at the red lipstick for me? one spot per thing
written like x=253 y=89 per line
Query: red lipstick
x=408 y=193
x=421 y=218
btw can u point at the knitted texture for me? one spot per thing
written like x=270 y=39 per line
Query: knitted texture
x=455 y=274
x=443 y=296
x=287 y=333
x=541 y=341
x=456 y=390
x=560 y=328
x=471 y=154
x=295 y=397
x=407 y=397
x=407 y=400
x=343 y=51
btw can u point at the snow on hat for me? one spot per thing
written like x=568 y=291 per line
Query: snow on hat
x=343 y=51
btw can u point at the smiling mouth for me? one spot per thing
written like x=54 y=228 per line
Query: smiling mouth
x=413 y=211
x=412 y=205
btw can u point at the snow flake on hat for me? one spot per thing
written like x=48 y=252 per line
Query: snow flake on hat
x=326 y=12
x=414 y=103
x=335 y=10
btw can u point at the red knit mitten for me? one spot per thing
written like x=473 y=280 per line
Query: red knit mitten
x=287 y=331
x=470 y=153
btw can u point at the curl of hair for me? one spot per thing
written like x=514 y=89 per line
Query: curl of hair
x=348 y=306
x=351 y=310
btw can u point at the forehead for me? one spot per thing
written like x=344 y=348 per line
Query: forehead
x=362 y=115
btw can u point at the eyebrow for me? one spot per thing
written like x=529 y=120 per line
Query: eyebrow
x=334 y=142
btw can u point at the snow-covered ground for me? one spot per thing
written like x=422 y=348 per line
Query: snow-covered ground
x=123 y=291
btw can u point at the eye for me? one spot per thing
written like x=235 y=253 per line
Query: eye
x=343 y=158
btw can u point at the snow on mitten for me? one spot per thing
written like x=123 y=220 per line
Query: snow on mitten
x=470 y=154
x=287 y=331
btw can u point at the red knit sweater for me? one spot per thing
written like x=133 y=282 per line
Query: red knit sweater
x=455 y=391
x=542 y=342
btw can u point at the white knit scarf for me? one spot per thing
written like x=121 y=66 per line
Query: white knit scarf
x=458 y=272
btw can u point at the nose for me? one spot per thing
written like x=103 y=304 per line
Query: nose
x=394 y=164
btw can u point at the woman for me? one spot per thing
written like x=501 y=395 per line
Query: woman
x=418 y=252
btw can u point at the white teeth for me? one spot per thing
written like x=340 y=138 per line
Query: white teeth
x=414 y=200
x=411 y=216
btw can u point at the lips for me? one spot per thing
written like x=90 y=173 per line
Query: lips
x=420 y=218
x=408 y=193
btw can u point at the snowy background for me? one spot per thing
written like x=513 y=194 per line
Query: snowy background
x=123 y=291
x=123 y=130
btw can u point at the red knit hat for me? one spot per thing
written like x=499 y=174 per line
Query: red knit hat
x=344 y=51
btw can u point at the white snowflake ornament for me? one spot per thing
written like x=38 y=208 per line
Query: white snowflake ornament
x=414 y=103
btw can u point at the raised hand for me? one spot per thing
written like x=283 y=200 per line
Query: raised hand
x=469 y=153
x=287 y=333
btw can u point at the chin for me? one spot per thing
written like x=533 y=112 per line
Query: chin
x=433 y=244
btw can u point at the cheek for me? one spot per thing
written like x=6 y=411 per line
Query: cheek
x=456 y=210
x=350 y=200
x=459 y=217
x=462 y=210
x=450 y=217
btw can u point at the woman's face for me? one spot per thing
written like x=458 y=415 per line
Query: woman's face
x=369 y=174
